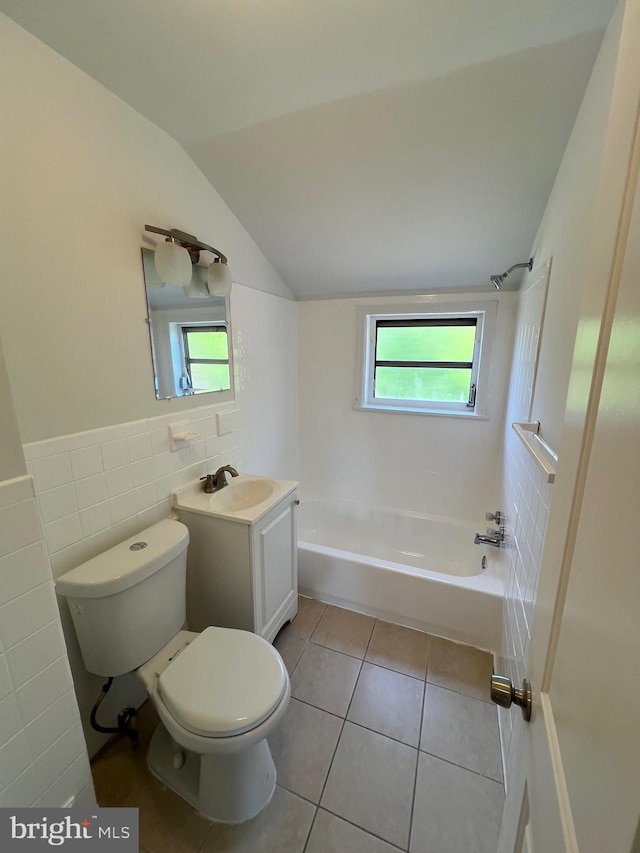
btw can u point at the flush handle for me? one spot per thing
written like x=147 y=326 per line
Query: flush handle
x=503 y=693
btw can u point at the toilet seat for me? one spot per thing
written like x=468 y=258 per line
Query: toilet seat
x=224 y=683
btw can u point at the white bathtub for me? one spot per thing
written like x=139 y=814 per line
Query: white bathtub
x=409 y=569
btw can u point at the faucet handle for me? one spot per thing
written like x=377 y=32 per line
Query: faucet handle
x=496 y=516
x=209 y=485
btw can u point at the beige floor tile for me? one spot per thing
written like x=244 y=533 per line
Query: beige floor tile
x=388 y=702
x=331 y=834
x=306 y=619
x=290 y=648
x=283 y=827
x=326 y=679
x=461 y=730
x=302 y=747
x=119 y=770
x=168 y=824
x=455 y=810
x=371 y=783
x=460 y=668
x=117 y=778
x=399 y=648
x=344 y=631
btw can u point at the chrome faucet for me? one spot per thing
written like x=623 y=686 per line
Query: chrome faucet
x=217 y=481
x=492 y=537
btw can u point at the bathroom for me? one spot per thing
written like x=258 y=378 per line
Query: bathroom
x=87 y=173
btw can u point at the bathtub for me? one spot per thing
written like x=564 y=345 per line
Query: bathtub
x=405 y=568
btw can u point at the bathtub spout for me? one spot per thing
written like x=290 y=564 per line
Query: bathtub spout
x=492 y=537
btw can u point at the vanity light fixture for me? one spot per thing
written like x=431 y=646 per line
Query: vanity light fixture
x=174 y=259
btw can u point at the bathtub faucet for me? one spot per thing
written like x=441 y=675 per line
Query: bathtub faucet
x=492 y=537
x=217 y=481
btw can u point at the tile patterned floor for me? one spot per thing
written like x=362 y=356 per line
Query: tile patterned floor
x=389 y=743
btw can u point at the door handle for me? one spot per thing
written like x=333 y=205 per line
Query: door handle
x=503 y=693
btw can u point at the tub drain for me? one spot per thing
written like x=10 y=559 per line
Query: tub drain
x=484 y=563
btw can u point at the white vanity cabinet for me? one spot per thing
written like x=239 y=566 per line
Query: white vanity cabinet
x=241 y=574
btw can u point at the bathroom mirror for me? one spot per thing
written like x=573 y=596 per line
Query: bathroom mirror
x=189 y=334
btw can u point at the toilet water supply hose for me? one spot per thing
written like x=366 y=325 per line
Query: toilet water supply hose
x=126 y=718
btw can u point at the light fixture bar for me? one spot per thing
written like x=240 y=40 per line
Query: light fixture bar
x=190 y=243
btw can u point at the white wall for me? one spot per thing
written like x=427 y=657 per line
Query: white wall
x=444 y=466
x=87 y=172
x=576 y=238
x=11 y=456
x=563 y=237
x=266 y=367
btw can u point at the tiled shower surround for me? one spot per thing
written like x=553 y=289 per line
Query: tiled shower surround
x=526 y=498
x=97 y=488
x=527 y=508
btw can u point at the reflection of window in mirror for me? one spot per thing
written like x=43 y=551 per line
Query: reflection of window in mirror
x=206 y=357
x=190 y=337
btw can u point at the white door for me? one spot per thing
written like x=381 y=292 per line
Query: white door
x=577 y=782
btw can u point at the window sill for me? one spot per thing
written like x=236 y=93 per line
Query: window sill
x=438 y=413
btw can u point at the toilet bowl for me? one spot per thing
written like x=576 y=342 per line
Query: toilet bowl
x=219 y=693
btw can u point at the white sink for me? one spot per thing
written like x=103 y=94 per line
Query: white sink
x=242 y=494
x=245 y=498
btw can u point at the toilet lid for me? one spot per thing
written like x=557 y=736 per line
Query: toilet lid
x=224 y=683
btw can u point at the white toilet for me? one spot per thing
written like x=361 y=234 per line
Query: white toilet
x=219 y=694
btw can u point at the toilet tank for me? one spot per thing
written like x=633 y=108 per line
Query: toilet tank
x=128 y=602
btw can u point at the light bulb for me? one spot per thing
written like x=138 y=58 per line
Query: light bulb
x=219 y=278
x=173 y=263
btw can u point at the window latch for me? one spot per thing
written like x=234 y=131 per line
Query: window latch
x=472 y=396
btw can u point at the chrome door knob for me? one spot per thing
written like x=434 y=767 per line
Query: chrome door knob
x=503 y=693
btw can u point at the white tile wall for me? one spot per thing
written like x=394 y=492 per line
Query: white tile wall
x=96 y=488
x=43 y=757
x=432 y=465
x=526 y=498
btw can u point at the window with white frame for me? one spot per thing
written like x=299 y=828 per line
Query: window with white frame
x=424 y=362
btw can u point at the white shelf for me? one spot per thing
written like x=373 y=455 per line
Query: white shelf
x=538 y=448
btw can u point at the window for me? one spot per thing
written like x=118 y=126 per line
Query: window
x=423 y=362
x=206 y=358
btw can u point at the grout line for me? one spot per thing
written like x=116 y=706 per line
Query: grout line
x=462 y=693
x=311 y=825
x=462 y=767
x=344 y=719
x=362 y=829
x=415 y=777
x=317 y=708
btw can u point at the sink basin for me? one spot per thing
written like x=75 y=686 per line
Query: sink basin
x=244 y=499
x=242 y=494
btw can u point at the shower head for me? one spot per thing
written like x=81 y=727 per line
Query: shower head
x=497 y=280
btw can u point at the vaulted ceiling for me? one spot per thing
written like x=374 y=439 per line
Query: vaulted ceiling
x=366 y=145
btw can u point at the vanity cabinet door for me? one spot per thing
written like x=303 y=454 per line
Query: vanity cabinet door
x=275 y=568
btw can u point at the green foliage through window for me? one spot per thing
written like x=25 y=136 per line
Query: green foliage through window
x=206 y=355
x=424 y=359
